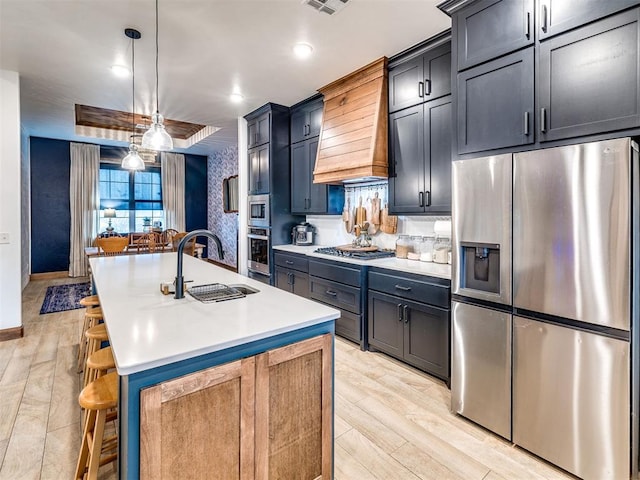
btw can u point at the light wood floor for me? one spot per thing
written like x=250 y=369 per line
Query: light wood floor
x=392 y=422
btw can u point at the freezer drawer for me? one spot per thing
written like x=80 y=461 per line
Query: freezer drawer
x=571 y=400
x=481 y=366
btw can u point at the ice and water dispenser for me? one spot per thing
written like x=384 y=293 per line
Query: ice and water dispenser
x=480 y=266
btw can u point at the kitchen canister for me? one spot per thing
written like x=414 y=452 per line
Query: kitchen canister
x=426 y=249
x=403 y=246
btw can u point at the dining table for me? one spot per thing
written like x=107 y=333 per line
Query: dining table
x=135 y=249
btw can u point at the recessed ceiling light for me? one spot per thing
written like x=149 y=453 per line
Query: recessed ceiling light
x=236 y=97
x=120 y=70
x=302 y=50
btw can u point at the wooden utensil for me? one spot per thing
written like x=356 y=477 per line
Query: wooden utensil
x=361 y=214
x=375 y=215
x=388 y=223
x=347 y=217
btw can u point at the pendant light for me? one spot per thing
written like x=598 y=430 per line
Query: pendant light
x=133 y=161
x=157 y=138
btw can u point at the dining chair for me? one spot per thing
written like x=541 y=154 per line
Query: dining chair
x=168 y=235
x=189 y=248
x=112 y=245
x=148 y=242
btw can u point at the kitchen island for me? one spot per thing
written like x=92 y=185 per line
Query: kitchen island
x=242 y=387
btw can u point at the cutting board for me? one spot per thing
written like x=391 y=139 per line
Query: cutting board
x=388 y=223
x=353 y=248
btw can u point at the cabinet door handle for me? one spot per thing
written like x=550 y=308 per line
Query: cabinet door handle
x=427 y=202
x=288 y=262
x=403 y=288
x=289 y=281
x=405 y=313
x=527 y=26
x=543 y=120
x=331 y=293
x=526 y=124
x=427 y=86
x=420 y=199
x=544 y=18
x=399 y=312
x=420 y=89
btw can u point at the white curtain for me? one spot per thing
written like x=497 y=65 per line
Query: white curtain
x=173 y=190
x=85 y=204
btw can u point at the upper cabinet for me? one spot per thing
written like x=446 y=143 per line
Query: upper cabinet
x=268 y=151
x=529 y=71
x=557 y=16
x=306 y=120
x=259 y=130
x=490 y=28
x=590 y=79
x=307 y=197
x=420 y=136
x=420 y=79
x=495 y=104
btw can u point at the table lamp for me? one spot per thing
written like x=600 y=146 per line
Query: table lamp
x=109 y=213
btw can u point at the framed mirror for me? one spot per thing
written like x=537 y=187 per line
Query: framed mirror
x=230 y=194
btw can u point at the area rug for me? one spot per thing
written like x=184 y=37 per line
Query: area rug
x=64 y=297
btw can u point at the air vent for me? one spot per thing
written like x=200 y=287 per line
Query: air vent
x=326 y=6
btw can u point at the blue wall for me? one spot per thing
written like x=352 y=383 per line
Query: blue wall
x=195 y=195
x=50 y=210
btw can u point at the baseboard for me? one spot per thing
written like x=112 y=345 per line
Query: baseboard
x=11 y=333
x=223 y=265
x=48 y=275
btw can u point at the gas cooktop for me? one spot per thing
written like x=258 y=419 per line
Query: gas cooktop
x=360 y=255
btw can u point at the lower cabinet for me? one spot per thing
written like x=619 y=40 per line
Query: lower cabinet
x=292 y=281
x=340 y=285
x=266 y=416
x=290 y=273
x=413 y=331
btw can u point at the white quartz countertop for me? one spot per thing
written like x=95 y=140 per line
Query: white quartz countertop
x=431 y=269
x=148 y=329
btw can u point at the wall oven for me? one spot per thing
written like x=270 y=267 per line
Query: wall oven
x=258 y=211
x=259 y=249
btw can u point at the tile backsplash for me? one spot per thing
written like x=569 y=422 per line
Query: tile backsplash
x=330 y=229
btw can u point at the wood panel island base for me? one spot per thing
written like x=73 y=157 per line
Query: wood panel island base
x=236 y=389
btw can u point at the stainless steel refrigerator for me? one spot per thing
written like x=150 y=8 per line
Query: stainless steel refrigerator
x=545 y=290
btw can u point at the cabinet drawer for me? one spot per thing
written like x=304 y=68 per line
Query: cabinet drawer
x=411 y=288
x=335 y=294
x=294 y=262
x=332 y=271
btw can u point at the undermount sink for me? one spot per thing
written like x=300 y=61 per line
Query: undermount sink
x=246 y=289
x=218 y=292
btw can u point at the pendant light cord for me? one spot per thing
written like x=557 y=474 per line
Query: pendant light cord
x=157 y=82
x=133 y=88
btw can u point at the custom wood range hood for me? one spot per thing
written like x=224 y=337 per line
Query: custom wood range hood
x=353 y=139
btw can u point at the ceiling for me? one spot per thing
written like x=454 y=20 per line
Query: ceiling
x=63 y=51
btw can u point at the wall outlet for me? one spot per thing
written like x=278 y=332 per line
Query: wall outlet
x=4 y=238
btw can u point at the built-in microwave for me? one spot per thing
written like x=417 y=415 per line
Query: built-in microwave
x=258 y=211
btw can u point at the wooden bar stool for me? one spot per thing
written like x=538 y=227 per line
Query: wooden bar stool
x=97 y=398
x=95 y=336
x=98 y=363
x=92 y=316
x=90 y=301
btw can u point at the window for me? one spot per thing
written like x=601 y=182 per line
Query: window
x=136 y=197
